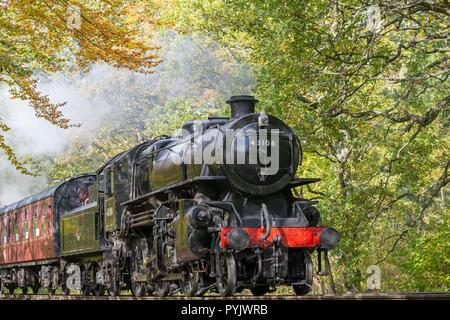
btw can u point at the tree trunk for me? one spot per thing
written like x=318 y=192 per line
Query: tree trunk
x=330 y=280
x=319 y=283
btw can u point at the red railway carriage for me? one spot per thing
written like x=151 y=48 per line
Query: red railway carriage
x=26 y=229
x=29 y=228
x=30 y=253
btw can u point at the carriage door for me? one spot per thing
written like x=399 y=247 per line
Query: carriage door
x=109 y=200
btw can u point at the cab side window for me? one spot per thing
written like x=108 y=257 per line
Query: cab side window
x=101 y=182
x=109 y=178
x=123 y=171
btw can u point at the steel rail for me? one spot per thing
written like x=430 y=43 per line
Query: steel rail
x=357 y=296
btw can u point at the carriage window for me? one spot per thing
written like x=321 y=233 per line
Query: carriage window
x=10 y=233
x=16 y=226
x=49 y=220
x=44 y=221
x=25 y=232
x=36 y=231
x=4 y=229
x=46 y=218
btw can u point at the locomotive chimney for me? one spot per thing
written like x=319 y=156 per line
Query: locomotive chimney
x=241 y=105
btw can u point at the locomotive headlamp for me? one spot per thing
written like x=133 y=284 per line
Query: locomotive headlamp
x=238 y=239
x=329 y=238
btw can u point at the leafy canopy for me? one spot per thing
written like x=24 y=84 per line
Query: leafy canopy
x=52 y=35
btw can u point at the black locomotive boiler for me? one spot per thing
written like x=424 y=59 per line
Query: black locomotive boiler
x=211 y=209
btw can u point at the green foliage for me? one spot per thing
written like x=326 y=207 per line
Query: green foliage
x=61 y=35
x=424 y=258
x=370 y=106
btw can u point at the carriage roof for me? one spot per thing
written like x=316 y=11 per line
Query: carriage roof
x=28 y=200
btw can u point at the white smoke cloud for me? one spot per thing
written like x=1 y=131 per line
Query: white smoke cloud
x=190 y=67
x=35 y=137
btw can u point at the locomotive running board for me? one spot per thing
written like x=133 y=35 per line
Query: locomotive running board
x=302 y=181
x=183 y=183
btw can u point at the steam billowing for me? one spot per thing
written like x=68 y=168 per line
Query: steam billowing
x=37 y=140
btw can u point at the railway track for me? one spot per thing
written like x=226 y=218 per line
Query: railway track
x=335 y=297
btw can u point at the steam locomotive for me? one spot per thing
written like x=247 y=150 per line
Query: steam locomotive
x=210 y=210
